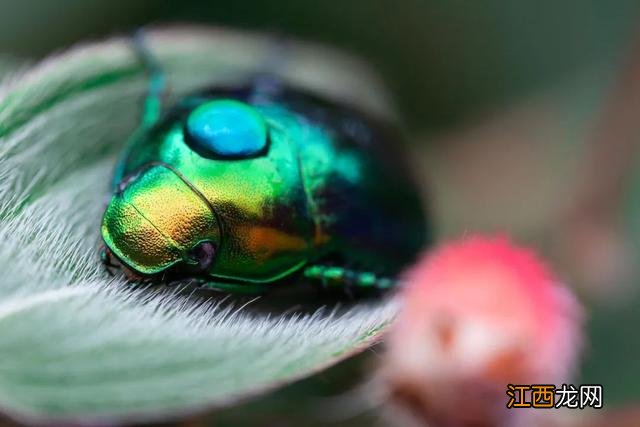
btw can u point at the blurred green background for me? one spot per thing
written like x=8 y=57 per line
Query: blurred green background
x=450 y=64
x=444 y=59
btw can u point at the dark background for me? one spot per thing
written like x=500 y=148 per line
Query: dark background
x=444 y=59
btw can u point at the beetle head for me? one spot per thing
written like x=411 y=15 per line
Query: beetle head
x=157 y=220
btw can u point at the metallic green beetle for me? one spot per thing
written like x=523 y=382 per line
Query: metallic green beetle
x=243 y=187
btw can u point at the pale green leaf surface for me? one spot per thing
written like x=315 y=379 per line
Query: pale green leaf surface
x=76 y=344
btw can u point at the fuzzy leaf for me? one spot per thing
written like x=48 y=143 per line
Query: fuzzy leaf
x=78 y=345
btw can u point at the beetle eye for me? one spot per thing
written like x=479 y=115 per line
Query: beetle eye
x=203 y=254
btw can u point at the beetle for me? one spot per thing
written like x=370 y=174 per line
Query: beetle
x=246 y=186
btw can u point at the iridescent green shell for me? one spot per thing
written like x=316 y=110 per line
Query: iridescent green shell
x=238 y=188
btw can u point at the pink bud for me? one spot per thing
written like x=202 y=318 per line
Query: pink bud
x=476 y=315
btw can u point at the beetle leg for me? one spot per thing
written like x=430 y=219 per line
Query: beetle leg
x=105 y=258
x=157 y=82
x=348 y=279
x=236 y=288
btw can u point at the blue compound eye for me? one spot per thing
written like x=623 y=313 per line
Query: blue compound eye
x=226 y=128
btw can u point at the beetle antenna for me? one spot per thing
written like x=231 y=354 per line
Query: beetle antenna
x=157 y=81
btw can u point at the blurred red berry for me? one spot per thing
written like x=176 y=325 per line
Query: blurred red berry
x=476 y=315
